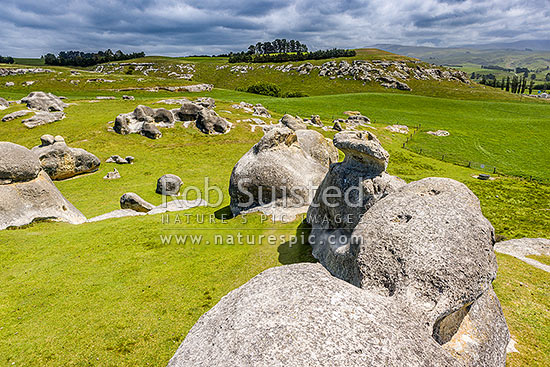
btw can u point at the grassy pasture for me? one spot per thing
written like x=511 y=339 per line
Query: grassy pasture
x=112 y=293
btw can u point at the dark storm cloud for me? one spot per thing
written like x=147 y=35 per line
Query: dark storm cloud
x=179 y=27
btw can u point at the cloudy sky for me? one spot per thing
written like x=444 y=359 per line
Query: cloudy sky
x=30 y=28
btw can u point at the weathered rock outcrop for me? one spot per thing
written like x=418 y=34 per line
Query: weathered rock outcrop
x=169 y=185
x=26 y=191
x=15 y=115
x=133 y=201
x=60 y=161
x=41 y=101
x=428 y=247
x=209 y=122
x=300 y=315
x=147 y=121
x=277 y=175
x=119 y=160
x=361 y=180
x=43 y=118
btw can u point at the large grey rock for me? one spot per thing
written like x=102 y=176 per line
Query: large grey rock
x=17 y=163
x=293 y=123
x=348 y=190
x=47 y=102
x=27 y=193
x=300 y=315
x=209 y=122
x=428 y=246
x=60 y=161
x=278 y=174
x=15 y=115
x=43 y=118
x=151 y=131
x=145 y=121
x=133 y=201
x=188 y=111
x=168 y=185
x=163 y=117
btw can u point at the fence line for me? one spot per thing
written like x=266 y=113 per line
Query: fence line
x=459 y=161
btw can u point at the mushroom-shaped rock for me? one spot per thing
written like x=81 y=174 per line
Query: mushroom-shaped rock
x=26 y=191
x=293 y=123
x=47 y=102
x=279 y=173
x=60 y=161
x=300 y=315
x=209 y=122
x=169 y=185
x=133 y=201
x=348 y=190
x=364 y=149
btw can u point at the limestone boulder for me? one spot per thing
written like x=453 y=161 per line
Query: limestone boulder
x=41 y=101
x=169 y=185
x=188 y=111
x=348 y=190
x=60 y=161
x=15 y=115
x=278 y=174
x=133 y=201
x=209 y=122
x=300 y=315
x=43 y=118
x=427 y=245
x=27 y=193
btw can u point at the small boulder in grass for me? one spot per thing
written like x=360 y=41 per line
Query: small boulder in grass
x=169 y=185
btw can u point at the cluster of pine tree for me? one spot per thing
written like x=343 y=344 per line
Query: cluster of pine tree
x=79 y=58
x=6 y=60
x=514 y=85
x=284 y=57
x=280 y=46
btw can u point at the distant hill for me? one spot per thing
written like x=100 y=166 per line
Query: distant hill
x=534 y=45
x=504 y=57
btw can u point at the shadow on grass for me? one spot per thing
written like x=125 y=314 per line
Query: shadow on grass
x=297 y=250
x=224 y=213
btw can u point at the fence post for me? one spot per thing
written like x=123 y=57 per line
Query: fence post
x=494 y=170
x=443 y=157
x=469 y=164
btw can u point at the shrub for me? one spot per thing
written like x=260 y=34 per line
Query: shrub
x=294 y=95
x=265 y=89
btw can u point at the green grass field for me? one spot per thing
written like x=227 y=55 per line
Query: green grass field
x=112 y=293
